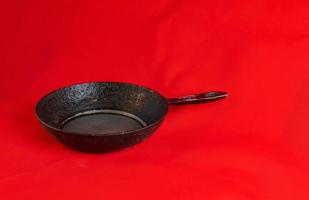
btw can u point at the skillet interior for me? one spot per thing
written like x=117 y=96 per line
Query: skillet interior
x=101 y=108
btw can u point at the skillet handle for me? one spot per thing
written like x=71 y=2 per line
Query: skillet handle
x=197 y=98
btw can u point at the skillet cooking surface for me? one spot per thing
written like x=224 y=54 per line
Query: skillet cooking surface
x=101 y=122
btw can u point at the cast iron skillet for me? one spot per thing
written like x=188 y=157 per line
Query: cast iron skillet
x=107 y=116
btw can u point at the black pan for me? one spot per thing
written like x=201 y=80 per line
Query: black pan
x=107 y=116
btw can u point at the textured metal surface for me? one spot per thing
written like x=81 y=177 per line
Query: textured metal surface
x=55 y=108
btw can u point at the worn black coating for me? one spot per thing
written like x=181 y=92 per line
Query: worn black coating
x=102 y=116
x=107 y=116
x=103 y=122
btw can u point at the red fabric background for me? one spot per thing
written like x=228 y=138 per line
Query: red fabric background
x=252 y=145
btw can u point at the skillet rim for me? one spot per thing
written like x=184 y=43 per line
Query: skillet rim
x=107 y=134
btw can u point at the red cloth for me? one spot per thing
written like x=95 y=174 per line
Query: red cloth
x=252 y=145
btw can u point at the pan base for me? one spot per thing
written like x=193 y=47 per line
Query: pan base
x=101 y=122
